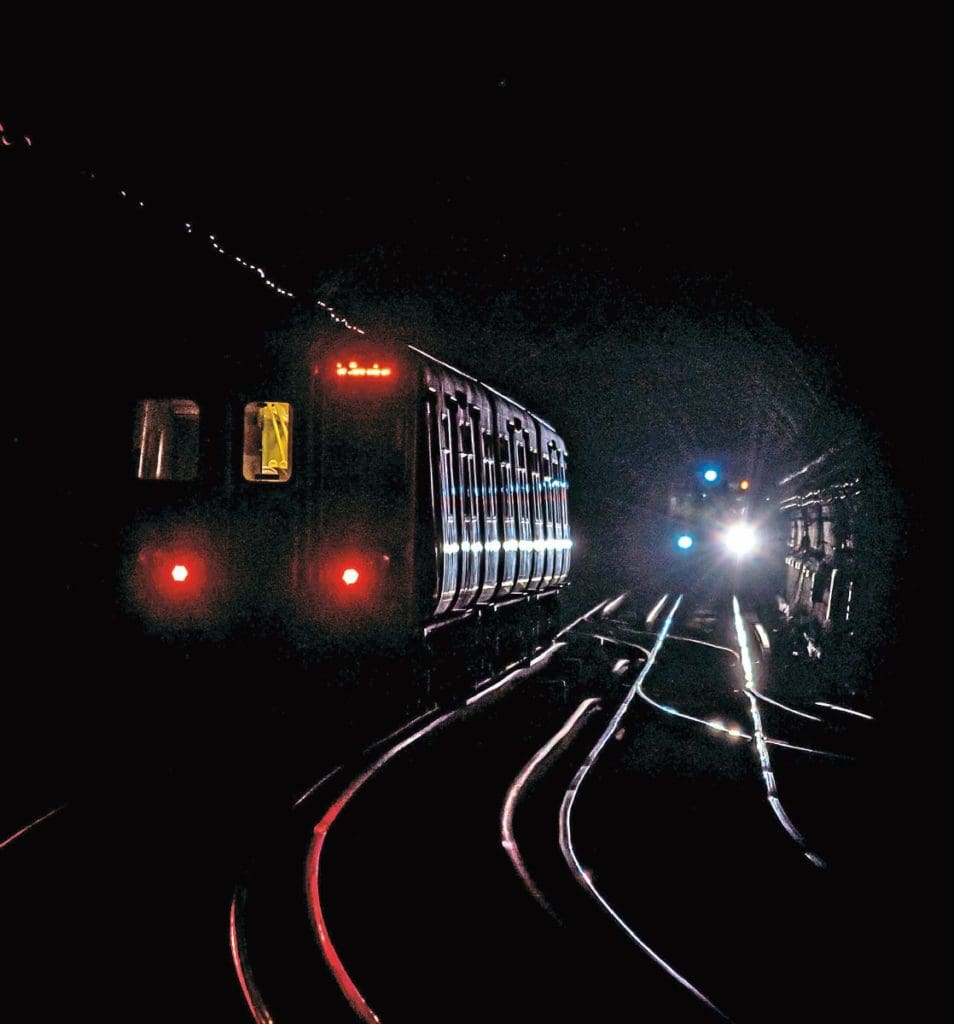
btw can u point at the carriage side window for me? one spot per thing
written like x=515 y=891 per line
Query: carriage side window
x=447 y=456
x=468 y=471
x=521 y=483
x=535 y=487
x=563 y=511
x=547 y=489
x=266 y=448
x=166 y=441
x=506 y=478
x=490 y=477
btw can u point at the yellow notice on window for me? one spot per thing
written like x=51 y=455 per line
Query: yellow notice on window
x=267 y=451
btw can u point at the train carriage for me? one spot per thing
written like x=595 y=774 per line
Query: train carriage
x=358 y=492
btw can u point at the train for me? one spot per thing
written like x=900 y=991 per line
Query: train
x=710 y=512
x=341 y=491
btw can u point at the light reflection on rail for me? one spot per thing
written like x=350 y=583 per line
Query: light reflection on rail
x=566 y=808
x=764 y=760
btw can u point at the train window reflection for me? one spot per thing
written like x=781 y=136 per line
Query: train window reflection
x=490 y=476
x=267 y=451
x=166 y=441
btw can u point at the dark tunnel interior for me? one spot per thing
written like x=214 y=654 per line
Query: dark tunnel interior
x=674 y=289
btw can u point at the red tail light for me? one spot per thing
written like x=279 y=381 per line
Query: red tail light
x=178 y=575
x=353 y=588
x=348 y=576
x=350 y=580
x=172 y=579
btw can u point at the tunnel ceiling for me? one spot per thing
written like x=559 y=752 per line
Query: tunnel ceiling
x=700 y=285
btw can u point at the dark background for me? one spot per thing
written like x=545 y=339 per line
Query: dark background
x=671 y=260
x=581 y=195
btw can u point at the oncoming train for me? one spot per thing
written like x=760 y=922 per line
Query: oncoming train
x=343 y=491
x=710 y=513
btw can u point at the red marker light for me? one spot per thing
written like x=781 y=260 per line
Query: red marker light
x=744 y=486
x=174 y=580
x=348 y=583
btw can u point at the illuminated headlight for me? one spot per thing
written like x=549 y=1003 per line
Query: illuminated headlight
x=740 y=539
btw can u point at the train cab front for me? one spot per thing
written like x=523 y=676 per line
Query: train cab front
x=273 y=517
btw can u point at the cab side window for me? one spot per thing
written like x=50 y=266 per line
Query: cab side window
x=166 y=439
x=267 y=442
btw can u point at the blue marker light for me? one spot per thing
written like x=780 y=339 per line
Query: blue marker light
x=710 y=476
x=684 y=542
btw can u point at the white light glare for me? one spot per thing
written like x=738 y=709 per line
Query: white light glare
x=740 y=539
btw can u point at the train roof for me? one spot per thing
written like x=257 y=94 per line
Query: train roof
x=487 y=387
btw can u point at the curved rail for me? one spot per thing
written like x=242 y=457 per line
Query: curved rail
x=507 y=840
x=345 y=982
x=26 y=828
x=566 y=808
